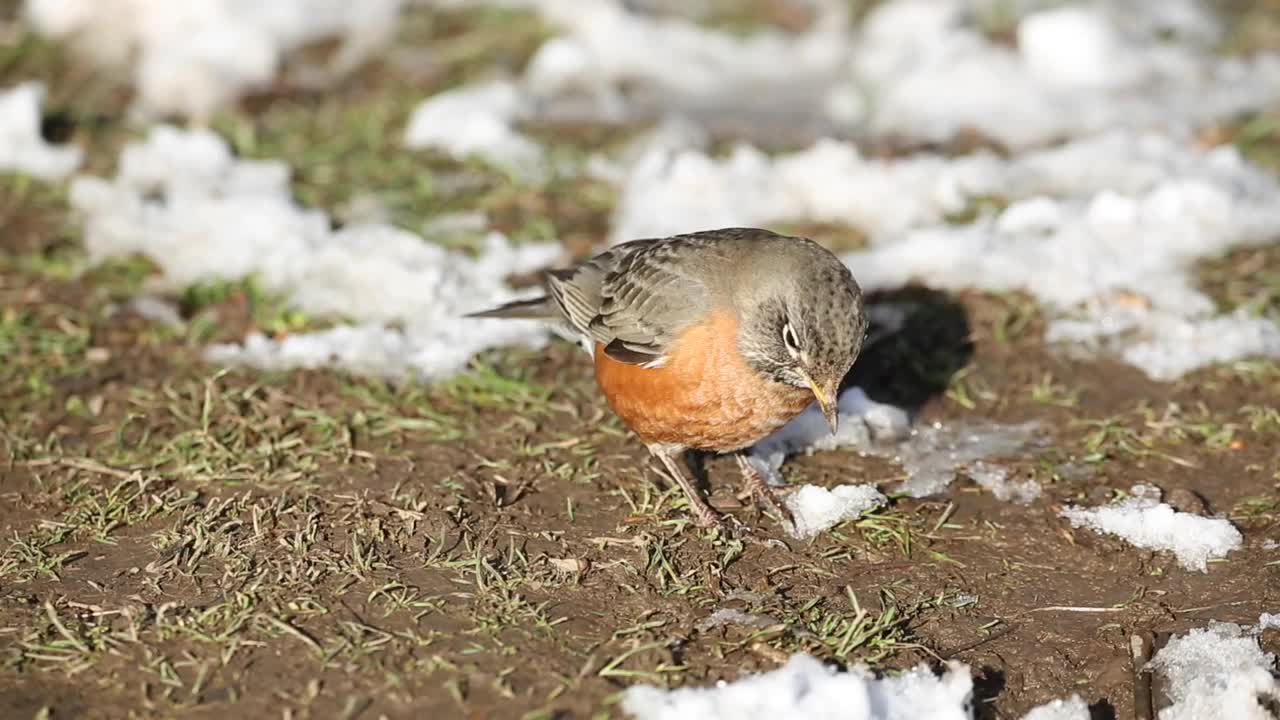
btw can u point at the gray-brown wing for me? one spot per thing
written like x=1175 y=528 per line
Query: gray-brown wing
x=637 y=297
x=656 y=290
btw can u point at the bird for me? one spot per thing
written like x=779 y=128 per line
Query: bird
x=709 y=341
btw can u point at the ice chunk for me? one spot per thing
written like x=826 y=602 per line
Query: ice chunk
x=183 y=201
x=1217 y=672
x=22 y=148
x=1073 y=708
x=995 y=480
x=935 y=452
x=931 y=455
x=1144 y=521
x=805 y=688
x=816 y=508
x=864 y=425
x=477 y=121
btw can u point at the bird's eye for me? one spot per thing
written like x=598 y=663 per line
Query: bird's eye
x=789 y=339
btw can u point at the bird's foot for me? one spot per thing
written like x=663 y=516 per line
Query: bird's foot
x=727 y=525
x=762 y=494
x=768 y=498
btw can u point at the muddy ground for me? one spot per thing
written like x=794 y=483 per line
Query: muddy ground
x=177 y=540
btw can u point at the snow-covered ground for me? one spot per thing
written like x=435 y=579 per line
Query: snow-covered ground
x=182 y=200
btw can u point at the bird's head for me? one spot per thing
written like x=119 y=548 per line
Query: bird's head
x=802 y=322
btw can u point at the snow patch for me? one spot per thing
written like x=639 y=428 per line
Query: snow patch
x=995 y=480
x=22 y=147
x=1145 y=522
x=1217 y=672
x=817 y=508
x=191 y=58
x=919 y=69
x=1076 y=70
x=183 y=201
x=805 y=688
x=1073 y=708
x=477 y=121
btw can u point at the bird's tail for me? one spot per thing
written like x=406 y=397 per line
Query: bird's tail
x=535 y=309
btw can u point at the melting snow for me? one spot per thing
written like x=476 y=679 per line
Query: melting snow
x=477 y=121
x=922 y=69
x=1076 y=70
x=995 y=480
x=1144 y=521
x=806 y=688
x=816 y=508
x=1217 y=672
x=22 y=148
x=935 y=452
x=183 y=201
x=864 y=424
x=1073 y=708
x=930 y=455
x=191 y=58
x=772 y=79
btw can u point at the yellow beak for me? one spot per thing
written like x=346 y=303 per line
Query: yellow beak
x=827 y=403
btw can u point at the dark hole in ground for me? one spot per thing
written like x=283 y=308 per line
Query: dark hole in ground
x=1102 y=710
x=987 y=686
x=919 y=339
x=57 y=127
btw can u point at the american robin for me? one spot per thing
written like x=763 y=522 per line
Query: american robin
x=710 y=340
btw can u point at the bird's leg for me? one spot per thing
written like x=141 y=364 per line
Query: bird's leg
x=755 y=486
x=703 y=514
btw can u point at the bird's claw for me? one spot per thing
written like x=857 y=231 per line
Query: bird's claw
x=727 y=525
x=768 y=498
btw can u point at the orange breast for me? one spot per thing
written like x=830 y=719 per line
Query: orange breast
x=704 y=397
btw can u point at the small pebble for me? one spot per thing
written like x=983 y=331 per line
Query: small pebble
x=1187 y=501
